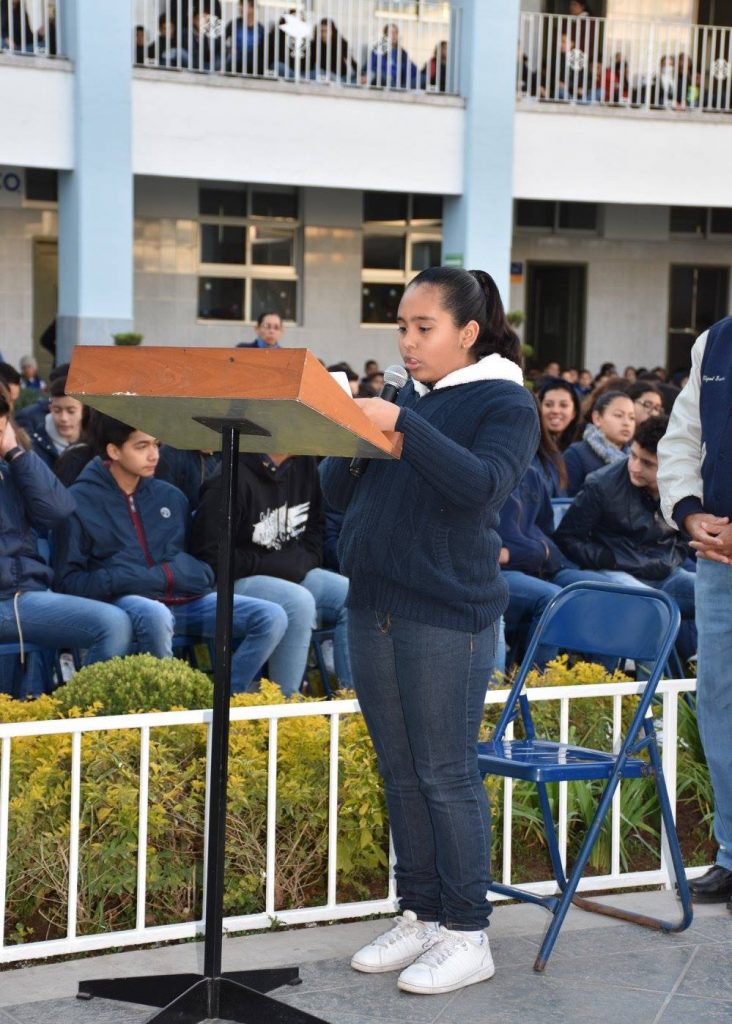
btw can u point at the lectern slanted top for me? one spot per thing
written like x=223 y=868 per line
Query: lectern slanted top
x=283 y=400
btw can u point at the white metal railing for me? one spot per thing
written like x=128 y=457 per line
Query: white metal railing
x=331 y=909
x=31 y=27
x=649 y=65
x=410 y=45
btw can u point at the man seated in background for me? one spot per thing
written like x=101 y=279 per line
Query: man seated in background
x=126 y=544
x=615 y=525
x=32 y=501
x=278 y=539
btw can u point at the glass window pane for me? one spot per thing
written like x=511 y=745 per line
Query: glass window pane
x=385 y=206
x=221 y=244
x=688 y=220
x=221 y=202
x=220 y=298
x=681 y=303
x=578 y=216
x=427 y=208
x=383 y=252
x=380 y=302
x=275 y=203
x=535 y=213
x=426 y=254
x=274 y=296
x=41 y=184
x=273 y=247
x=721 y=220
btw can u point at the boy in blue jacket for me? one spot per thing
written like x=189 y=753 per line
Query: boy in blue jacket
x=32 y=499
x=127 y=544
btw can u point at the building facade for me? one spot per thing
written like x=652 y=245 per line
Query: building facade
x=177 y=167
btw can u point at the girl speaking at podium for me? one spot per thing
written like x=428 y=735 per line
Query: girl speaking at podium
x=420 y=548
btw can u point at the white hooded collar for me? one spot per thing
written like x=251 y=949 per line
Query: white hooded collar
x=492 y=367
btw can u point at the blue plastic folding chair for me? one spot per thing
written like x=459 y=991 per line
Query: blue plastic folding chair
x=613 y=621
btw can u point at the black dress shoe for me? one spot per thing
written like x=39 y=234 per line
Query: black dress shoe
x=713 y=887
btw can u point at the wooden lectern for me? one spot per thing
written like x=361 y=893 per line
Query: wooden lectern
x=256 y=400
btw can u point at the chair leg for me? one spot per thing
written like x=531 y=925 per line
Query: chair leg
x=551 y=836
x=322 y=668
x=677 y=867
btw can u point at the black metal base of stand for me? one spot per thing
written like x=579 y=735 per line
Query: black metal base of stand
x=191 y=998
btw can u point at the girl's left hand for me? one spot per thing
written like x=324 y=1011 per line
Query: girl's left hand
x=382 y=414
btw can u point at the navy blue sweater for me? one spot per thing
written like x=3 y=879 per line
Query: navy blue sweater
x=419 y=535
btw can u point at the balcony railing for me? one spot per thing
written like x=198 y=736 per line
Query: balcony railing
x=406 y=45
x=633 y=64
x=31 y=28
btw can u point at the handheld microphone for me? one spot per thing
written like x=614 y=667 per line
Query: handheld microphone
x=395 y=377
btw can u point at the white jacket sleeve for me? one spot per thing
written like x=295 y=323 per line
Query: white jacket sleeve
x=680 y=452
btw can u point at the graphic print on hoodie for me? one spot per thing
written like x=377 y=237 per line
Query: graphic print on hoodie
x=278 y=514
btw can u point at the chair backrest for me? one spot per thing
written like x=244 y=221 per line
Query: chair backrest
x=603 y=619
x=559 y=507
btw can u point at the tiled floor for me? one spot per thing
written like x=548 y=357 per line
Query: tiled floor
x=601 y=971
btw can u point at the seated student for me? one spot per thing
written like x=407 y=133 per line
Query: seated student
x=168 y=50
x=10 y=377
x=61 y=426
x=32 y=501
x=559 y=414
x=187 y=470
x=605 y=440
x=331 y=60
x=126 y=544
x=389 y=64
x=615 y=525
x=531 y=563
x=244 y=41
x=29 y=375
x=33 y=416
x=434 y=73
x=278 y=536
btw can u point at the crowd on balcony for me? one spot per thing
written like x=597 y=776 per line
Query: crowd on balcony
x=19 y=36
x=288 y=49
x=576 y=67
x=131 y=545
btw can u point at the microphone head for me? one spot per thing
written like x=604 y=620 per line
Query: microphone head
x=396 y=375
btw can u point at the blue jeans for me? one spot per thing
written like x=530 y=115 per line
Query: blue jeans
x=320 y=600
x=62 y=620
x=714 y=691
x=258 y=625
x=422 y=691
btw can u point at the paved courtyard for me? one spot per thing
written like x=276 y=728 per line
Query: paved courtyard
x=601 y=971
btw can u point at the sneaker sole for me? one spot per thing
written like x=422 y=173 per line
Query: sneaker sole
x=384 y=968
x=483 y=975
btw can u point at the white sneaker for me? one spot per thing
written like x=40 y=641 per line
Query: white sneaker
x=398 y=947
x=450 y=963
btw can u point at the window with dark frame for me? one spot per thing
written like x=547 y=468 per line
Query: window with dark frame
x=250 y=240
x=402 y=235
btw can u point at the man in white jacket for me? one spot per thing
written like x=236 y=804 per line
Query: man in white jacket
x=695 y=484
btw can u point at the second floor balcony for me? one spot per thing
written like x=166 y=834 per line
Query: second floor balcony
x=386 y=45
x=624 y=65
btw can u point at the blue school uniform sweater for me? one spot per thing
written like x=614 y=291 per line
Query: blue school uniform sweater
x=419 y=535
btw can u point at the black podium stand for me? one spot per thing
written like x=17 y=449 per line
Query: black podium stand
x=277 y=401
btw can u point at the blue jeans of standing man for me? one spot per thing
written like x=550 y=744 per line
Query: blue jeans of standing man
x=258 y=625
x=714 y=691
x=320 y=600
x=62 y=620
x=422 y=691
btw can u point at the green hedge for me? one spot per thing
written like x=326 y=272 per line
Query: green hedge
x=40 y=797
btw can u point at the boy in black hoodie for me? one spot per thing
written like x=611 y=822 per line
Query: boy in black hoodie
x=278 y=537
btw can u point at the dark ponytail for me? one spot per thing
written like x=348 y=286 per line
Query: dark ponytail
x=473 y=295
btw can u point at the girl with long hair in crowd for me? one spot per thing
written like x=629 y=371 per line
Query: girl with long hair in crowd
x=420 y=548
x=606 y=438
x=559 y=416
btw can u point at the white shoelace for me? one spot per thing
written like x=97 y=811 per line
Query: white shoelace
x=447 y=944
x=401 y=930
